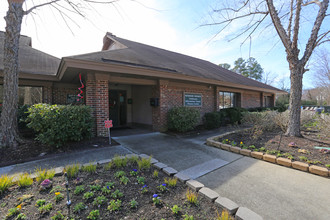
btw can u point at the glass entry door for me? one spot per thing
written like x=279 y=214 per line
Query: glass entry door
x=117 y=107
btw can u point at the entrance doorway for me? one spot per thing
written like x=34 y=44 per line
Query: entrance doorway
x=117 y=107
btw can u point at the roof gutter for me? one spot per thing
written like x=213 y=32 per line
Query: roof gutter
x=147 y=71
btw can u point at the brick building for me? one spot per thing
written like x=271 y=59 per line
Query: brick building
x=133 y=83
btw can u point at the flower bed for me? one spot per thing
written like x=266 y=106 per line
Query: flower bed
x=121 y=189
x=298 y=153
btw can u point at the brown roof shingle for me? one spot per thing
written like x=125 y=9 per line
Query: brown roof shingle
x=138 y=54
x=31 y=61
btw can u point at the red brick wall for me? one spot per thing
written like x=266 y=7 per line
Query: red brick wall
x=59 y=95
x=250 y=99
x=172 y=96
x=97 y=96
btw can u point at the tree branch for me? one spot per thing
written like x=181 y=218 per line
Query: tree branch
x=278 y=26
x=290 y=19
x=37 y=6
x=296 y=28
x=311 y=44
x=313 y=2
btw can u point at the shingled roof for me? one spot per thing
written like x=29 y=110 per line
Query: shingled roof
x=129 y=53
x=31 y=61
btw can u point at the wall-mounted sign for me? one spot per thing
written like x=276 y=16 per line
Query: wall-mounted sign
x=192 y=99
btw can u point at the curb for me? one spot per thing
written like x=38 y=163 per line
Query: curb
x=242 y=213
x=317 y=170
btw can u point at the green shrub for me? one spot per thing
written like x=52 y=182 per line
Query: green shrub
x=212 y=120
x=57 y=124
x=183 y=119
x=233 y=115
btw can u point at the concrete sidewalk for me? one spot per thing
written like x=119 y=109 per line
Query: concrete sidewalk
x=272 y=191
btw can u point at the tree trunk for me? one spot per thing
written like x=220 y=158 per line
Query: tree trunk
x=296 y=76
x=9 y=132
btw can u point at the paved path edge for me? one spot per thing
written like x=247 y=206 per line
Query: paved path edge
x=313 y=169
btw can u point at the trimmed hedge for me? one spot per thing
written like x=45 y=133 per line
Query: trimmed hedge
x=183 y=119
x=224 y=116
x=58 y=124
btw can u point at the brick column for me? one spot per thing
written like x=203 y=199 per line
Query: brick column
x=159 y=113
x=102 y=106
x=90 y=96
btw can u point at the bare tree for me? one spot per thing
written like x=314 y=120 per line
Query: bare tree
x=322 y=74
x=289 y=19
x=268 y=78
x=9 y=133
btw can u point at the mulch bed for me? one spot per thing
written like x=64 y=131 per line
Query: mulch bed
x=34 y=150
x=276 y=141
x=145 y=209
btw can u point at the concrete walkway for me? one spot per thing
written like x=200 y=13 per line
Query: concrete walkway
x=272 y=191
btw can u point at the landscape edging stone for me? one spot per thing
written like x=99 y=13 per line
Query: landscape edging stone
x=197 y=185
x=317 y=170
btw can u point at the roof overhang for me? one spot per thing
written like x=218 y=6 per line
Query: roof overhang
x=145 y=72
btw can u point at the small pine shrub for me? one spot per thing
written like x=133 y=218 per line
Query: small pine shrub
x=44 y=174
x=171 y=182
x=155 y=174
x=72 y=170
x=24 y=180
x=119 y=161
x=108 y=166
x=90 y=168
x=144 y=163
x=224 y=216
x=192 y=197
x=133 y=160
x=182 y=119
x=5 y=183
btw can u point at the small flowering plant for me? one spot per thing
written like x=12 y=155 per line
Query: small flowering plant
x=241 y=144
x=226 y=141
x=144 y=189
x=59 y=196
x=162 y=187
x=134 y=172
x=233 y=143
x=155 y=199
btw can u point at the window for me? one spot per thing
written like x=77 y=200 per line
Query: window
x=26 y=95
x=228 y=100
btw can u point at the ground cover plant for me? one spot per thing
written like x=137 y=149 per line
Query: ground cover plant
x=102 y=194
x=267 y=135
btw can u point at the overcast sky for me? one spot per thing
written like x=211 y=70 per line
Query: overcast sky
x=170 y=24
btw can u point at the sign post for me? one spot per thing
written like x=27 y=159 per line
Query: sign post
x=108 y=125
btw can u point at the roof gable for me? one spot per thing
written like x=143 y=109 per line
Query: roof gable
x=132 y=53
